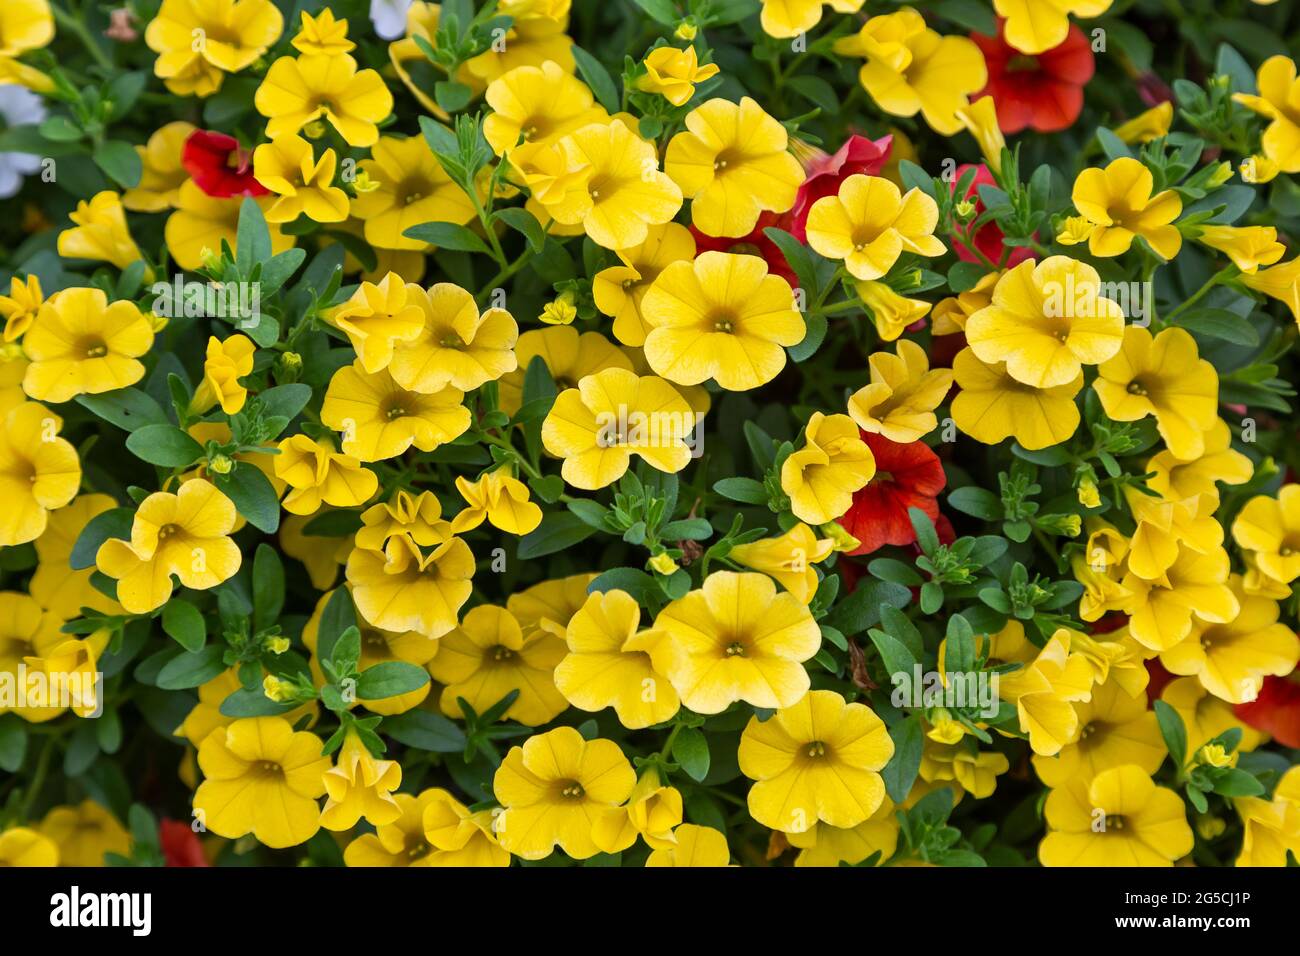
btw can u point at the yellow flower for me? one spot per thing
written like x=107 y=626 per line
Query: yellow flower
x=419 y=516
x=789 y=18
x=568 y=355
x=360 y=786
x=162 y=173
x=80 y=344
x=298 y=91
x=993 y=406
x=99 y=232
x=1117 y=201
x=609 y=663
x=412 y=189
x=620 y=290
x=500 y=498
x=732 y=162
x=674 y=73
x=434 y=829
x=534 y=107
x=1278 y=93
x=60 y=589
x=226 y=363
x=183 y=534
x=199 y=43
x=911 y=69
x=1206 y=716
x=623 y=191
x=378 y=316
x=554 y=790
x=1162 y=376
x=403 y=588
x=1043 y=691
x=320 y=475
x=1271 y=829
x=736 y=639
x=1194 y=586
x=550 y=605
x=869 y=224
x=652 y=812
x=1249 y=247
x=1115 y=728
x=891 y=312
x=456 y=346
x=695 y=846
x=1259 y=170
x=39 y=471
x=952 y=313
x=559 y=311
x=1148 y=125
x=529 y=42
x=261 y=777
x=1174 y=477
x=200 y=223
x=612 y=415
x=289 y=168
x=723 y=317
x=1281 y=282
x=975 y=772
x=1164 y=524
x=23 y=846
x=981 y=120
x=322 y=34
x=824 y=845
x=903 y=394
x=1076 y=229
x=1232 y=659
x=821 y=477
x=816 y=760
x=788 y=559
x=20 y=306
x=1036 y=26
x=1269 y=528
x=31 y=639
x=85 y=833
x=663 y=563
x=379 y=419
x=1119 y=818
x=1046 y=322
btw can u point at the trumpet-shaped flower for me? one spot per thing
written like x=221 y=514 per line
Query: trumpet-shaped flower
x=299 y=90
x=412 y=188
x=1115 y=728
x=1269 y=528
x=534 y=107
x=403 y=588
x=501 y=499
x=1118 y=202
x=99 y=232
x=199 y=43
x=378 y=316
x=225 y=364
x=360 y=786
x=80 y=344
x=869 y=224
x=1036 y=26
x=379 y=419
x=320 y=475
x=821 y=477
x=288 y=167
x=788 y=559
x=903 y=394
x=674 y=73
x=993 y=406
x=1195 y=586
x=620 y=291
x=456 y=345
x=1279 y=91
x=694 y=846
x=39 y=471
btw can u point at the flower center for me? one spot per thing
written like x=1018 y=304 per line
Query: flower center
x=725 y=160
x=1136 y=387
x=1114 y=822
x=724 y=322
x=1022 y=64
x=816 y=749
x=167 y=531
x=93 y=347
x=268 y=769
x=735 y=649
x=502 y=653
x=412 y=191
x=572 y=790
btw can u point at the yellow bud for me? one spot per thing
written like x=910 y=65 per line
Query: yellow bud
x=278 y=645
x=842 y=540
x=220 y=464
x=964 y=209
x=1259 y=169
x=663 y=563
x=1210 y=827
x=944 y=729
x=314 y=130
x=363 y=182
x=1214 y=755
x=276 y=689
x=1222 y=173
x=686 y=30
x=1089 y=496
x=561 y=311
x=1074 y=230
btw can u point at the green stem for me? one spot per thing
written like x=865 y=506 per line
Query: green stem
x=68 y=23
x=38 y=778
x=1199 y=294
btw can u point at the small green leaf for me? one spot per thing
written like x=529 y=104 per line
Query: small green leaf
x=183 y=622
x=691 y=750
x=164 y=445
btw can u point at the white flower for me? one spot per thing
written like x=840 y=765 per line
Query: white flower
x=19 y=106
x=389 y=17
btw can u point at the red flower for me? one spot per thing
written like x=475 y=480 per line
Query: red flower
x=858 y=156
x=989 y=240
x=754 y=244
x=1275 y=711
x=180 y=844
x=1159 y=676
x=1044 y=92
x=907 y=476
x=219 y=166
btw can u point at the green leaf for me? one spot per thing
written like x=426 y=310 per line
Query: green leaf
x=346 y=652
x=452 y=96
x=1231 y=782
x=127 y=408
x=690 y=529
x=164 y=445
x=425 y=730
x=1173 y=731
x=120 y=162
x=268 y=587
x=525 y=223
x=389 y=679
x=338 y=616
x=971 y=14
x=252 y=237
x=114 y=523
x=634 y=581
x=900 y=773
x=1219 y=324
x=192 y=669
x=447 y=235
x=661 y=11
x=285 y=401
x=183 y=623
x=893 y=652
x=691 y=750
x=253 y=703
x=557 y=531
x=597 y=78
x=13 y=742
x=861 y=609
x=798 y=257
x=253 y=494
x=745 y=490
